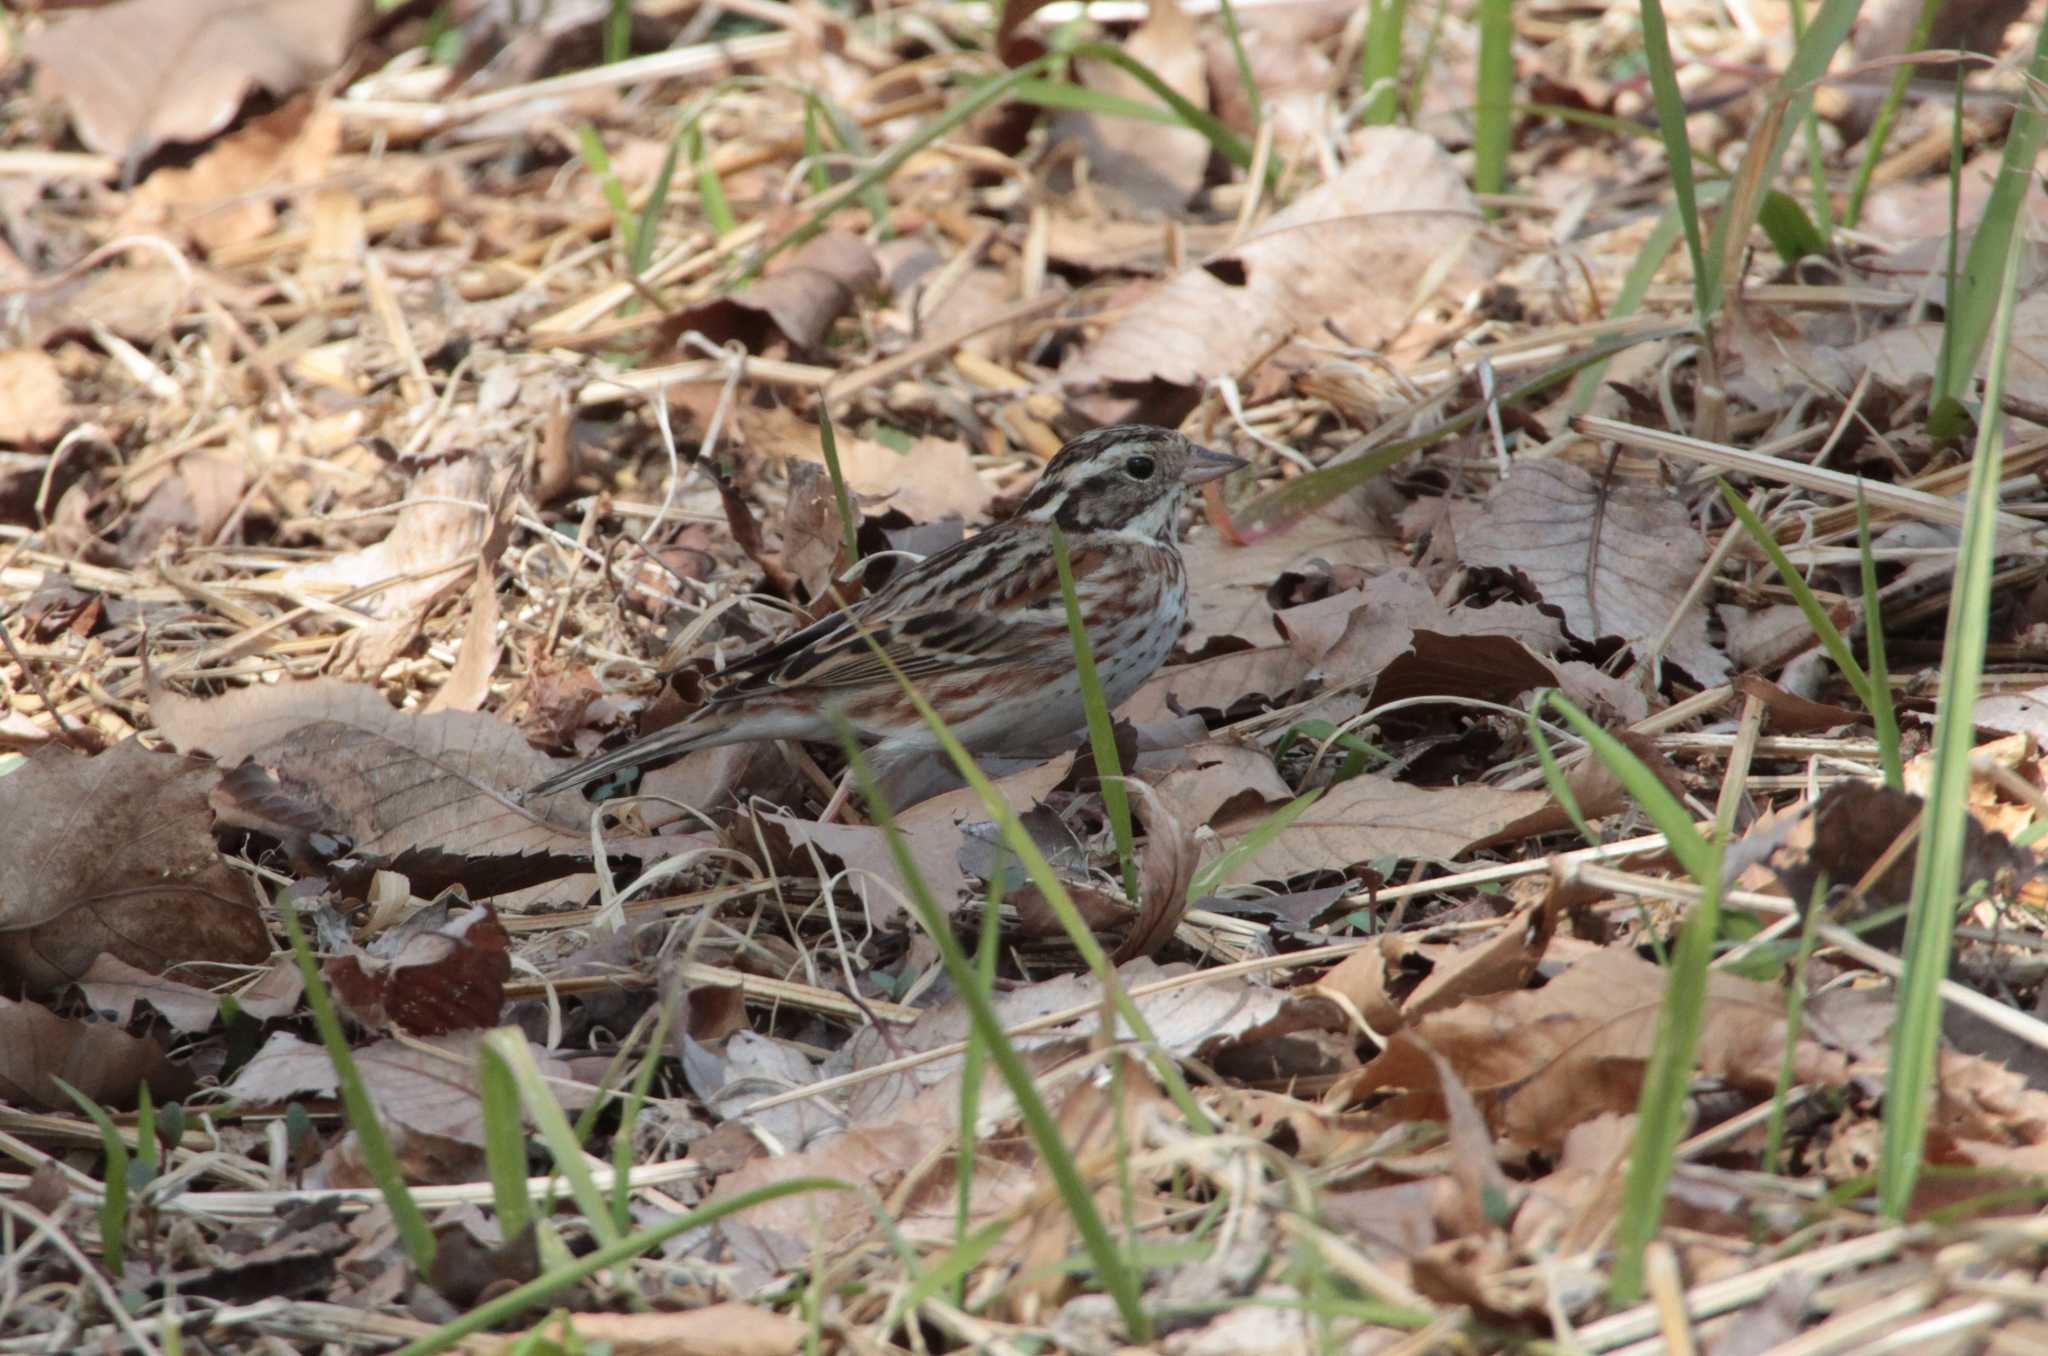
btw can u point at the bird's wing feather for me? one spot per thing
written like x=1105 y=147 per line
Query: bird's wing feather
x=834 y=655
x=919 y=622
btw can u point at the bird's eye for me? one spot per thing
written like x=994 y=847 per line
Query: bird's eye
x=1139 y=468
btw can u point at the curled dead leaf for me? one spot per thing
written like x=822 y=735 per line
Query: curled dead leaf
x=138 y=73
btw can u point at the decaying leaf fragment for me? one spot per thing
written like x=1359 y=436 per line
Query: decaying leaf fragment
x=139 y=73
x=332 y=757
x=115 y=854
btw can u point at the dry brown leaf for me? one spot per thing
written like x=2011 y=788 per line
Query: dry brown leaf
x=137 y=302
x=1393 y=606
x=1597 y=790
x=115 y=854
x=1217 y=684
x=1551 y=518
x=1792 y=714
x=225 y=197
x=1402 y=980
x=1165 y=871
x=1905 y=356
x=329 y=756
x=725 y=1329
x=1570 y=1208
x=863 y=851
x=192 y=500
x=1230 y=588
x=1399 y=211
x=427 y=1085
x=34 y=406
x=1483 y=1190
x=752 y=1068
x=440 y=970
x=934 y=480
x=813 y=532
x=1204 y=1021
x=108 y=1065
x=476 y=658
x=276 y=992
x=1391 y=1223
x=440 y=531
x=1148 y=167
x=1292 y=66
x=114 y=987
x=1542 y=1061
x=2015 y=713
x=1221 y=781
x=1110 y=246
x=1372 y=817
x=871 y=1156
x=799 y=300
x=138 y=73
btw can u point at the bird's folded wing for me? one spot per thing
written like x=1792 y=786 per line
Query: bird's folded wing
x=834 y=654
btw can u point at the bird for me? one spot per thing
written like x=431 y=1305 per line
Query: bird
x=980 y=627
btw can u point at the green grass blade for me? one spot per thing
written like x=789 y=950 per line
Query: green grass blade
x=828 y=443
x=378 y=1159
x=1049 y=885
x=1824 y=629
x=1945 y=416
x=642 y=253
x=1214 y=876
x=635 y=1102
x=1380 y=62
x=504 y=1144
x=1111 y=1266
x=1635 y=285
x=973 y=1060
x=114 y=1201
x=1493 y=117
x=1306 y=493
x=1244 y=63
x=1938 y=874
x=1792 y=233
x=1226 y=142
x=1660 y=1119
x=1116 y=804
x=1793 y=95
x=1883 y=715
x=847 y=133
x=1888 y=113
x=814 y=149
x=1065 y=94
x=1554 y=777
x=1625 y=128
x=509 y=1044
x=148 y=1148
x=710 y=188
x=1670 y=105
x=989 y=92
x=624 y=224
x=543 y=1288
x=1816 y=157
x=950 y=1272
x=1795 y=1019
x=618 y=32
x=1981 y=291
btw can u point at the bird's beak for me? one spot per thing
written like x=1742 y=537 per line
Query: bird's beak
x=1207 y=465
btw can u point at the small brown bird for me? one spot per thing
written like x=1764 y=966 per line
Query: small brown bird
x=980 y=627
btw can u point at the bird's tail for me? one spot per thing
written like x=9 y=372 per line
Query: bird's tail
x=663 y=746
